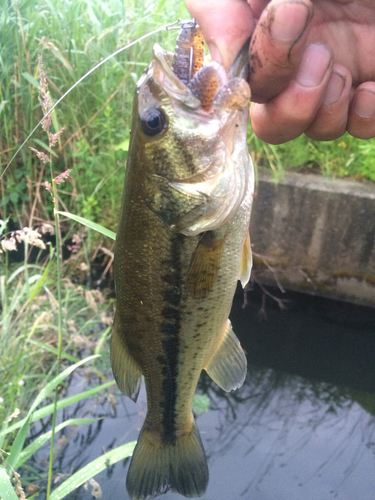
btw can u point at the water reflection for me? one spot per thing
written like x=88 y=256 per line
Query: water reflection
x=291 y=438
x=282 y=436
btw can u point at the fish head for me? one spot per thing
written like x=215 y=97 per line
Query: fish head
x=187 y=140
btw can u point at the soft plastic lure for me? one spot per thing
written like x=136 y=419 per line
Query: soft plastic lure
x=189 y=52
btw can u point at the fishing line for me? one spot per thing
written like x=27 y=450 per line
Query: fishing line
x=175 y=25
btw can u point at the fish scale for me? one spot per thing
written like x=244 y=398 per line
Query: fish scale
x=181 y=246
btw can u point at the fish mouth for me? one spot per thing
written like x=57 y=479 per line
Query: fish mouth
x=199 y=93
x=161 y=69
x=209 y=90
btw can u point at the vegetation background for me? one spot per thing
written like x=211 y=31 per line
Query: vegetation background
x=72 y=36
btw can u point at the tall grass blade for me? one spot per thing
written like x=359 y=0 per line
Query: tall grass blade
x=45 y=146
x=6 y=489
x=92 y=469
x=41 y=440
x=54 y=350
x=18 y=444
x=90 y=224
x=40 y=282
x=63 y=403
x=44 y=393
x=31 y=79
x=22 y=269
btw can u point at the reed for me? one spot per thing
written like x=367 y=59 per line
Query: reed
x=72 y=37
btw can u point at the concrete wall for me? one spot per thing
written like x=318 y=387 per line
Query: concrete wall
x=317 y=235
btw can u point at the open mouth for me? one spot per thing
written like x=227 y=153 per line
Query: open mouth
x=201 y=85
x=200 y=90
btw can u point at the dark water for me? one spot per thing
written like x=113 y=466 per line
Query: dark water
x=301 y=428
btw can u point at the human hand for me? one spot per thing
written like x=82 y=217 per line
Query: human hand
x=312 y=62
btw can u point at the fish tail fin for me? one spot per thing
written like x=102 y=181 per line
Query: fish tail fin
x=157 y=467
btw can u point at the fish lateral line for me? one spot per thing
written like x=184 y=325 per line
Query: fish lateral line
x=167 y=27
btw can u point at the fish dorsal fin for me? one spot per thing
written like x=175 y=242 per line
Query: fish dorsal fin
x=246 y=262
x=205 y=265
x=125 y=369
x=228 y=366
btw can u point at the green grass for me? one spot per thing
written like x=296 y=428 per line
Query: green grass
x=73 y=36
x=345 y=157
x=29 y=315
x=29 y=331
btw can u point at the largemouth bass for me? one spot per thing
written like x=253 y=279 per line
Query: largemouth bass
x=182 y=244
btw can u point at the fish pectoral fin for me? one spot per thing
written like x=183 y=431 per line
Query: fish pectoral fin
x=205 y=265
x=246 y=262
x=157 y=467
x=228 y=366
x=126 y=370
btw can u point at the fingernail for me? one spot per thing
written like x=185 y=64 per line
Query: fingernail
x=334 y=89
x=290 y=20
x=365 y=103
x=315 y=62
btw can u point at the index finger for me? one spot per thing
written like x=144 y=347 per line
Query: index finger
x=277 y=46
x=226 y=25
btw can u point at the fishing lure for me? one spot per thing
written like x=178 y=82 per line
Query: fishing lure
x=189 y=58
x=189 y=52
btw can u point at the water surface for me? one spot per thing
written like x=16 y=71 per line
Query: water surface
x=301 y=427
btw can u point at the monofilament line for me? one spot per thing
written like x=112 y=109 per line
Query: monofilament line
x=162 y=28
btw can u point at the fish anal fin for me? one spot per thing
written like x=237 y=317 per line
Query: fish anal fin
x=205 y=265
x=126 y=370
x=246 y=262
x=158 y=467
x=228 y=366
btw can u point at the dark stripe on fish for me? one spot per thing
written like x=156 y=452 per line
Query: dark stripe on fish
x=170 y=330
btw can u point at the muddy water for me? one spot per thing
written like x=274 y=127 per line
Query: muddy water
x=301 y=427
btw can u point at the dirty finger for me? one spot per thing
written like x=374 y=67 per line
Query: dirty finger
x=291 y=113
x=277 y=46
x=361 y=120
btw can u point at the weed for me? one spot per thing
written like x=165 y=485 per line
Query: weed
x=96 y=114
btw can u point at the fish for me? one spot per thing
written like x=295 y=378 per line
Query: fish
x=182 y=245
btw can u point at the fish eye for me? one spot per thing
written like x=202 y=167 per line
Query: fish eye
x=152 y=121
